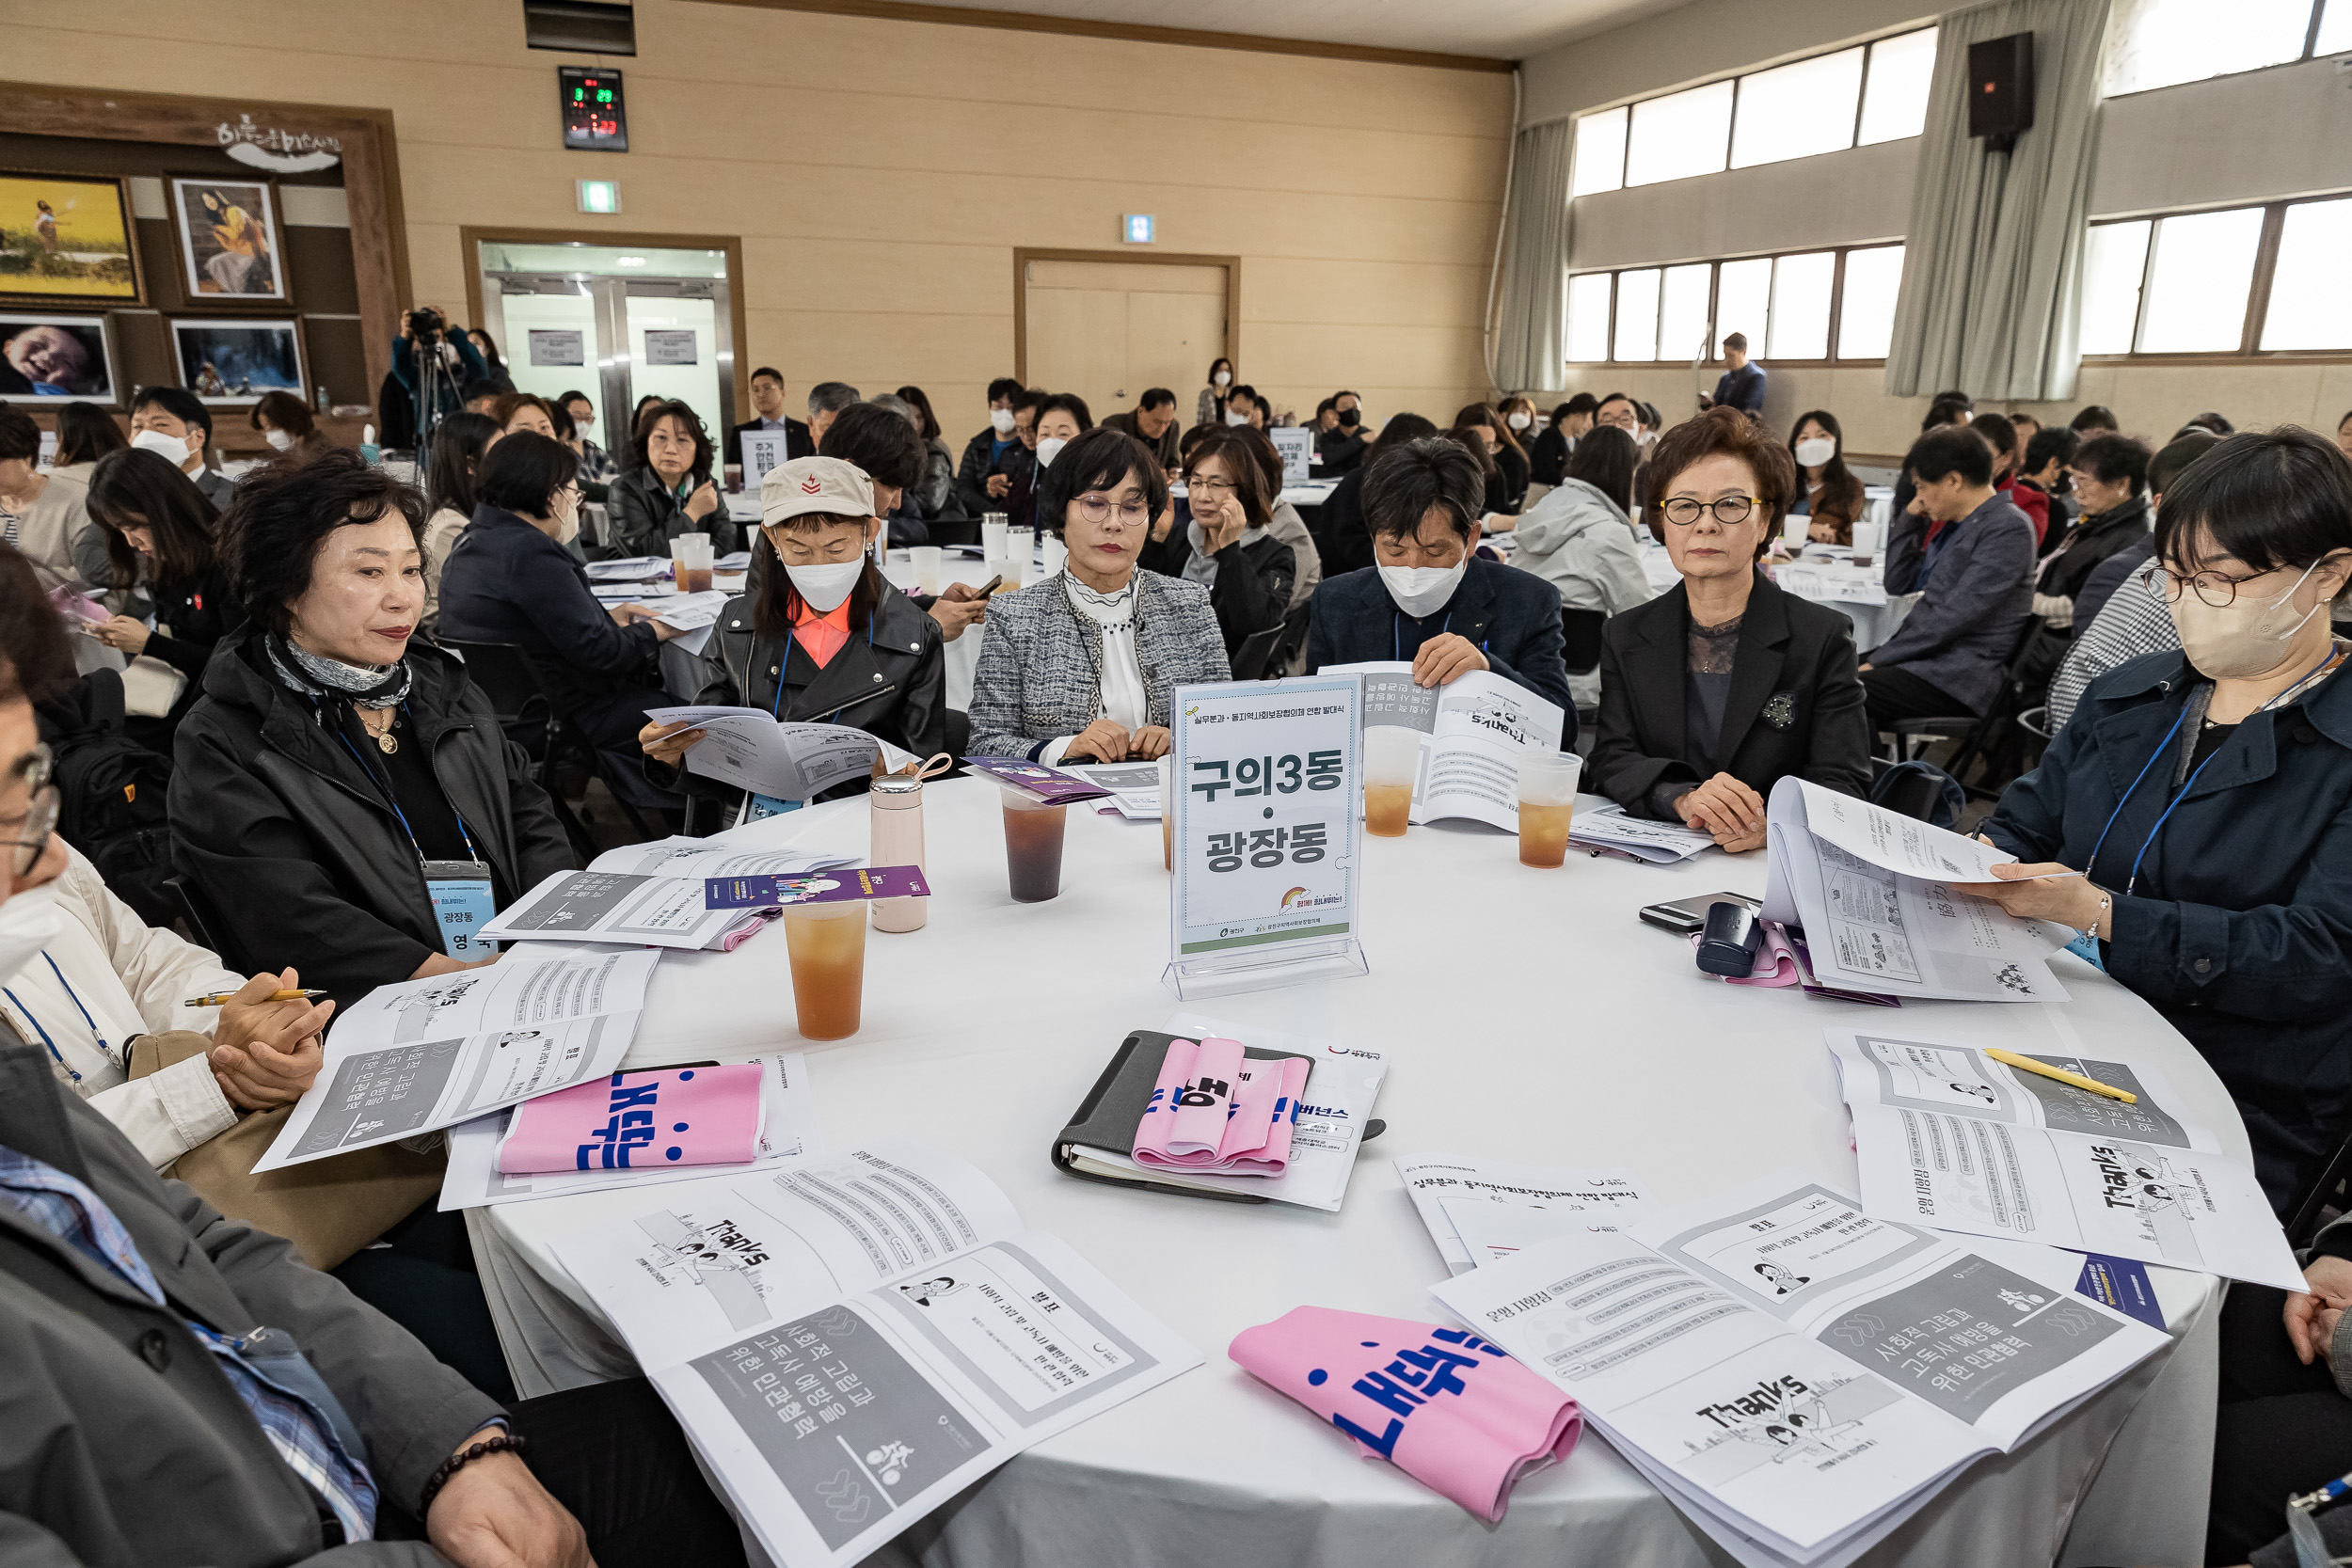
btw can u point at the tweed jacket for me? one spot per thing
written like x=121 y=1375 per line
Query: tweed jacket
x=1039 y=671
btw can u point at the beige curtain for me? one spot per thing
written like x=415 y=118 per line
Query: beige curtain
x=1992 y=291
x=1530 y=322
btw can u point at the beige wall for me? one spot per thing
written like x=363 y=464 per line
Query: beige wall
x=880 y=173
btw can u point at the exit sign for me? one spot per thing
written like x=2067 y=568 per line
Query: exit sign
x=595 y=117
x=599 y=195
x=1137 y=227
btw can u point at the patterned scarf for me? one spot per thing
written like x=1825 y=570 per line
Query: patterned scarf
x=365 y=686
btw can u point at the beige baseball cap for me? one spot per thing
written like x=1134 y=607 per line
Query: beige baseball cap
x=815 y=485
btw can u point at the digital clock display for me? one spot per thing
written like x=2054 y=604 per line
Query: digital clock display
x=595 y=119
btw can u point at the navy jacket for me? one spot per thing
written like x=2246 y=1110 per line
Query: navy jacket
x=1512 y=617
x=2239 y=930
x=1742 y=388
x=507 y=583
x=1978 y=596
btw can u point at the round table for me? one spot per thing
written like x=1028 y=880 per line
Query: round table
x=1527 y=1016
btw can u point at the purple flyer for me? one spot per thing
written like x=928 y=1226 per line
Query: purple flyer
x=1037 y=780
x=814 y=887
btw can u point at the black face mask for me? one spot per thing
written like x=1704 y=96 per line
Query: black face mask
x=1347 y=419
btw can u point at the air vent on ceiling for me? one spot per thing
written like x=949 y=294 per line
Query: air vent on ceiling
x=580 y=26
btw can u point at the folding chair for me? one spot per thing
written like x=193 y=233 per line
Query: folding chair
x=518 y=695
x=1251 y=660
x=1579 y=631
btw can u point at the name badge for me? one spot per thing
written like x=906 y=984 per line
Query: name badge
x=758 y=807
x=462 y=905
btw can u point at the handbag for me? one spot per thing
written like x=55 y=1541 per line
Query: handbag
x=151 y=688
x=328 y=1209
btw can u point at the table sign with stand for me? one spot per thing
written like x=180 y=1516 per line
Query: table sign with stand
x=1265 y=778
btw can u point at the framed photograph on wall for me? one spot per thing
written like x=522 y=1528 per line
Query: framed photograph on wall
x=228 y=362
x=67 y=239
x=229 y=238
x=46 y=356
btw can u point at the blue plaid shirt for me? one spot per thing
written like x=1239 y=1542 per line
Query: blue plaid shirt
x=298 y=1430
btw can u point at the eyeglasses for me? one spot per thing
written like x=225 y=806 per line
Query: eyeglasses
x=1097 y=509
x=1209 y=486
x=1730 y=512
x=28 y=834
x=2217 y=589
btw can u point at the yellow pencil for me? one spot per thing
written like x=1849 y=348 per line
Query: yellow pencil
x=218 y=997
x=2073 y=1080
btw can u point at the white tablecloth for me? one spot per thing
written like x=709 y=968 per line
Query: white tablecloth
x=1860 y=591
x=1535 y=1020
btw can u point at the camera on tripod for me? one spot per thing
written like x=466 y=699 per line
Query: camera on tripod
x=426 y=327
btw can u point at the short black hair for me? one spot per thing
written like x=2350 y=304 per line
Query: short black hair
x=1945 y=411
x=86 y=432
x=2048 y=442
x=1947 y=450
x=1070 y=403
x=454 y=460
x=1959 y=396
x=179 y=402
x=2094 y=415
x=1003 y=387
x=136 y=489
x=523 y=472
x=1156 y=397
x=1102 y=459
x=771 y=372
x=1403 y=483
x=831 y=397
x=1243 y=389
x=480 y=388
x=2278 y=498
x=1030 y=400
x=1736 y=340
x=879 y=441
x=575 y=395
x=2219 y=423
x=2178 y=453
x=280 y=513
x=2112 y=457
x=1997 y=429
x=1583 y=403
x=20 y=437
x=1616 y=397
x=1607 y=465
x=1400 y=429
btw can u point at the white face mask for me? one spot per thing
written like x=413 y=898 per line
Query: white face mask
x=2244 y=638
x=172 y=449
x=566 y=520
x=28 y=923
x=1815 y=453
x=1420 y=591
x=1225 y=378
x=277 y=439
x=1233 y=419
x=824 y=587
x=1520 y=418
x=1000 y=419
x=1048 y=447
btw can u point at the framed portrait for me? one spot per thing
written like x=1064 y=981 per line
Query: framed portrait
x=233 y=362
x=66 y=239
x=45 y=356
x=229 y=238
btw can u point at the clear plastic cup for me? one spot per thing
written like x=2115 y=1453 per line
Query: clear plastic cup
x=689 y=563
x=827 y=946
x=1020 y=556
x=1392 y=759
x=924 y=559
x=1033 y=839
x=1546 y=792
x=1866 y=543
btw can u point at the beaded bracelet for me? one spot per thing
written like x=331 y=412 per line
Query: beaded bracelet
x=502 y=1443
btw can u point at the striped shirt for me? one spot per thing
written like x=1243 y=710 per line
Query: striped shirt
x=2134 y=621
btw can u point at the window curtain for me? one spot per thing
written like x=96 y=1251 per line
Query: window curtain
x=1991 y=292
x=1530 y=314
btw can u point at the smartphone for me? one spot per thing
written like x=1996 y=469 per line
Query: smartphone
x=984 y=590
x=1688 y=916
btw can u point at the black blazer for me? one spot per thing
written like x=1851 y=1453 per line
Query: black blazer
x=1795 y=704
x=1513 y=616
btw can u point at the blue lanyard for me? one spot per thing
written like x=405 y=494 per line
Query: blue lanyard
x=393 y=801
x=34 y=1018
x=1396 y=633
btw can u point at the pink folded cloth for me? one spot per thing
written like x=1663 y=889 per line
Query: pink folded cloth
x=1441 y=1405
x=696 y=1116
x=1212 y=1109
x=1775 y=960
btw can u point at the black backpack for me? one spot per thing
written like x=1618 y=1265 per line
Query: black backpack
x=111 y=794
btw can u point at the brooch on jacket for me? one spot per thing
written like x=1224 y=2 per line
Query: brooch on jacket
x=1781 y=710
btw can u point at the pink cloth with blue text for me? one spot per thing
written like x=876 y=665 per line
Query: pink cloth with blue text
x=1217 y=1110
x=1441 y=1405
x=696 y=1116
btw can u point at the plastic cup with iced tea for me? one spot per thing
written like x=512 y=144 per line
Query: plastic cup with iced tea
x=1391 y=757
x=1033 y=834
x=827 y=946
x=689 y=563
x=1547 y=791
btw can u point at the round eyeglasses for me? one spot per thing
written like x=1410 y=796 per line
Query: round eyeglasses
x=1731 y=511
x=1097 y=509
x=2218 y=590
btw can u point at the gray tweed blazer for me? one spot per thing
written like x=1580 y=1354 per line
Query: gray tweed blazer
x=1038 y=676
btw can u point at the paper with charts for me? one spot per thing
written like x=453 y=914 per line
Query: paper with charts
x=1951 y=1138
x=851 y=1345
x=1610 y=1198
x=788 y=1132
x=423 y=1055
x=1472 y=730
x=1796 y=1377
x=1873 y=892
x=751 y=750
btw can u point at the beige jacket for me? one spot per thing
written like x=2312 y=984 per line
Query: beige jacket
x=440 y=537
x=130 y=978
x=57 y=535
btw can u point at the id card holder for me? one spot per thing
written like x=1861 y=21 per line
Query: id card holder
x=758 y=807
x=462 y=905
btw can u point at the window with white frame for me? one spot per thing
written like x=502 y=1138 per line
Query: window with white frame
x=2255 y=280
x=1853 y=97
x=2163 y=44
x=1806 y=306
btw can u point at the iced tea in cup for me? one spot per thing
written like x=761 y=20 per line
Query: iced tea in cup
x=1168 y=816
x=689 y=563
x=1866 y=544
x=1547 y=805
x=1391 y=757
x=827 y=945
x=1033 y=833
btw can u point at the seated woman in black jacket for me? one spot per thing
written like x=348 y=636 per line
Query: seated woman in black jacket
x=822 y=637
x=1718 y=688
x=336 y=766
x=1226 y=548
x=509 y=580
x=666 y=489
x=153 y=515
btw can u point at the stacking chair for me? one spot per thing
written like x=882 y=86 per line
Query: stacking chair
x=518 y=694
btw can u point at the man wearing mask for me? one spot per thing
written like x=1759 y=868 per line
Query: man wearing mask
x=1427 y=598
x=1153 y=422
x=768 y=413
x=168 y=421
x=1741 y=385
x=981 y=479
x=1342 y=447
x=1243 y=406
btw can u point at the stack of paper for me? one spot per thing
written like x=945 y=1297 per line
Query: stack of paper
x=1951 y=1138
x=635 y=568
x=1797 y=1378
x=1479 y=1210
x=1873 y=892
x=748 y=747
x=1473 y=730
x=1134 y=788
x=1660 y=843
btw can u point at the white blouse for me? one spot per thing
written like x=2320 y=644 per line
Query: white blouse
x=1114 y=615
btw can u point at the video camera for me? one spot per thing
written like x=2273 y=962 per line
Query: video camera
x=426 y=327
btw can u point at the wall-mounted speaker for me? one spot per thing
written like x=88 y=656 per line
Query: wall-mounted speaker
x=2000 y=89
